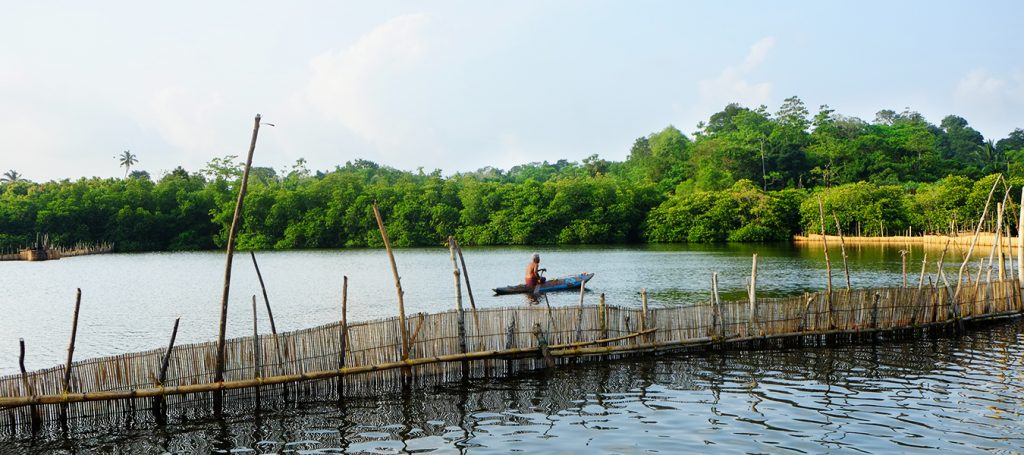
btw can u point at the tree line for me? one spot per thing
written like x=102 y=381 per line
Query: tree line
x=746 y=175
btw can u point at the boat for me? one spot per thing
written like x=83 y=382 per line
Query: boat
x=557 y=284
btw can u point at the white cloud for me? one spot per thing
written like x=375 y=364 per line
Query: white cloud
x=187 y=120
x=991 y=102
x=372 y=88
x=731 y=84
x=758 y=53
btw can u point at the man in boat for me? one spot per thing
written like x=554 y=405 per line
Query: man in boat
x=533 y=277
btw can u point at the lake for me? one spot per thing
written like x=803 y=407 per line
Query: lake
x=948 y=392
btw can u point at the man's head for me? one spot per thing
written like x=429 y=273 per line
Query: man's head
x=536 y=257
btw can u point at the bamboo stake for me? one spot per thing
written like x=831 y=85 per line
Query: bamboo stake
x=579 y=313
x=33 y=411
x=1020 y=242
x=469 y=291
x=344 y=321
x=974 y=241
x=1009 y=249
x=846 y=268
x=643 y=309
x=717 y=324
x=998 y=243
x=920 y=288
x=903 y=260
x=71 y=344
x=257 y=371
x=752 y=295
x=828 y=264
x=218 y=375
x=270 y=314
x=603 y=316
x=458 y=296
x=167 y=354
x=398 y=282
x=996 y=251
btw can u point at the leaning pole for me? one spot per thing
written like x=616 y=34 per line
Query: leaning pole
x=218 y=401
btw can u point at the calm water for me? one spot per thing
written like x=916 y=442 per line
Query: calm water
x=960 y=393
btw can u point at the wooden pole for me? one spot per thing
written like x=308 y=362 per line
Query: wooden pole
x=218 y=375
x=974 y=241
x=752 y=295
x=469 y=290
x=828 y=264
x=846 y=267
x=270 y=315
x=716 y=315
x=344 y=321
x=71 y=344
x=579 y=312
x=37 y=421
x=167 y=354
x=158 y=402
x=603 y=316
x=257 y=371
x=1020 y=242
x=903 y=260
x=997 y=241
x=643 y=309
x=398 y=281
x=458 y=296
x=920 y=288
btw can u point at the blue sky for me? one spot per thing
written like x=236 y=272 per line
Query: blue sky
x=460 y=85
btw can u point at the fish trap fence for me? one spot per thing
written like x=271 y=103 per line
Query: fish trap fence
x=369 y=357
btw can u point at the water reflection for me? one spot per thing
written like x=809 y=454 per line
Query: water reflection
x=944 y=392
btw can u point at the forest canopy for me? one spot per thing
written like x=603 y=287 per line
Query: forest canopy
x=745 y=175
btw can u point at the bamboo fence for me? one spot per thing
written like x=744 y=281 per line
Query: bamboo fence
x=113 y=390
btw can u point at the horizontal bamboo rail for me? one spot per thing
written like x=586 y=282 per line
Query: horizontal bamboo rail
x=372 y=352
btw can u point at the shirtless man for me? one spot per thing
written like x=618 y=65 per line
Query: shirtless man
x=533 y=277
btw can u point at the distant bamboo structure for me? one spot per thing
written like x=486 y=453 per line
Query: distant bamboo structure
x=49 y=252
x=959 y=241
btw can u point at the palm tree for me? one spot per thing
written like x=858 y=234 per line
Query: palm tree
x=127 y=160
x=11 y=176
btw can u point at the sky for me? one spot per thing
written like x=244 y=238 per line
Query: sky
x=460 y=85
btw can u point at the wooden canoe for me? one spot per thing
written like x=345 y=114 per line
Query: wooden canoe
x=556 y=284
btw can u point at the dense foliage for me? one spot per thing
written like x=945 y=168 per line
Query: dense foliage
x=746 y=175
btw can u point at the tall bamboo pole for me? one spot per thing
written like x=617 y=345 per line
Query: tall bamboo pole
x=71 y=344
x=1020 y=242
x=974 y=241
x=398 y=281
x=458 y=296
x=218 y=375
x=469 y=290
x=828 y=263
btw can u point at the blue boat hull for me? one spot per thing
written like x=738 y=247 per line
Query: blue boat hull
x=558 y=284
